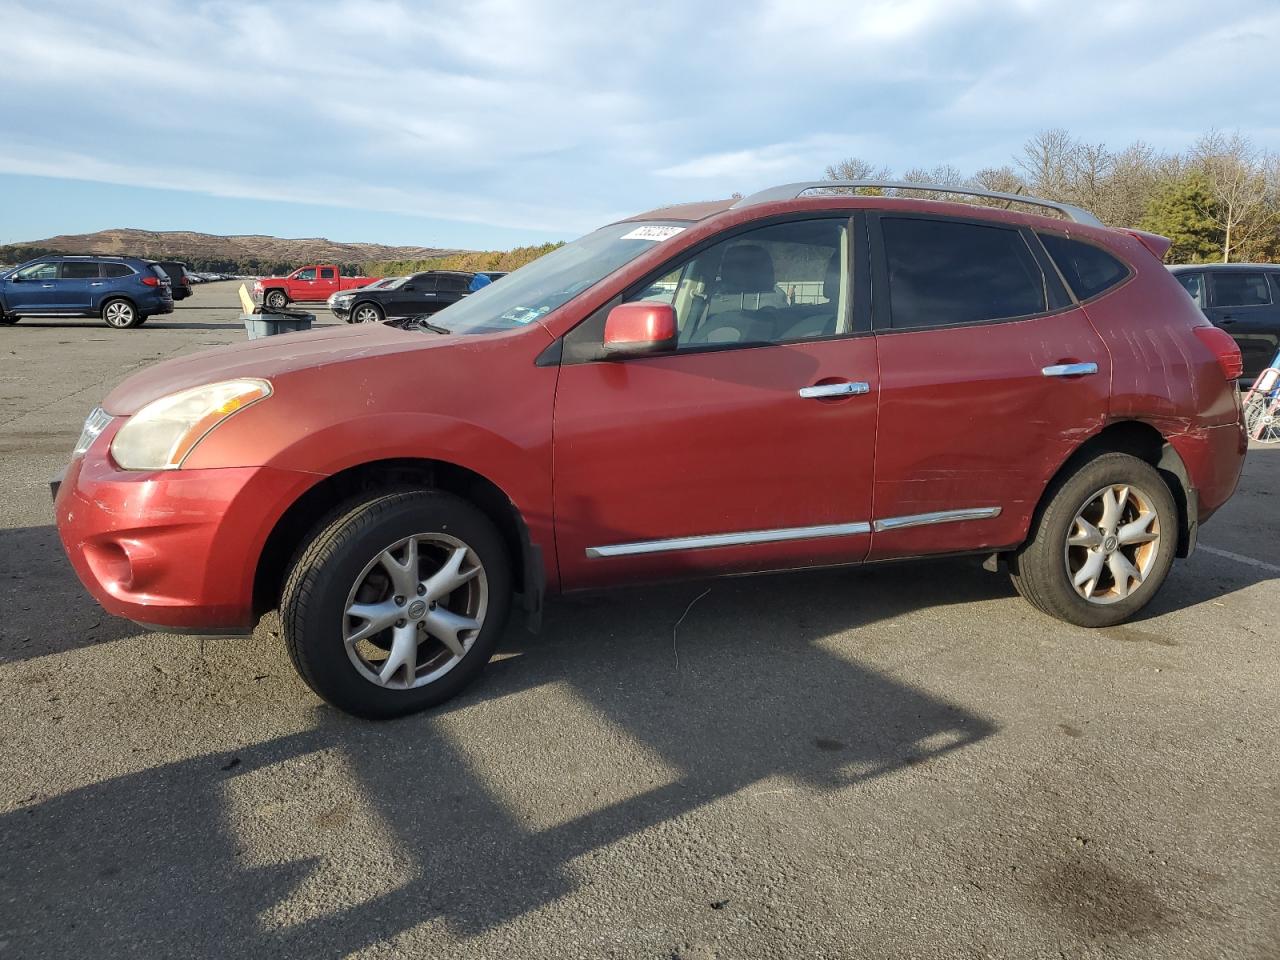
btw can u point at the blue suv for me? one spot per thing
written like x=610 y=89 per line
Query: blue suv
x=123 y=291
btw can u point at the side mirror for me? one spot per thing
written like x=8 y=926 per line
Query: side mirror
x=639 y=329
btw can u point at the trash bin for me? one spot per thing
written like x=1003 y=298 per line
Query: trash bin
x=270 y=324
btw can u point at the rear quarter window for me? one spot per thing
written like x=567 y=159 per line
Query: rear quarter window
x=1088 y=270
x=115 y=270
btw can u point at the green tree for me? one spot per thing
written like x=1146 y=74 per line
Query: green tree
x=1182 y=210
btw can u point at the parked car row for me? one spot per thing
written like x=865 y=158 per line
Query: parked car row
x=370 y=299
x=794 y=379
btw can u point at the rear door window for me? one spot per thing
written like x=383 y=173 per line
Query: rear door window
x=1193 y=283
x=1239 y=289
x=1088 y=270
x=946 y=272
x=79 y=270
x=326 y=273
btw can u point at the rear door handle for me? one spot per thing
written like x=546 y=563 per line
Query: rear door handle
x=845 y=389
x=1070 y=369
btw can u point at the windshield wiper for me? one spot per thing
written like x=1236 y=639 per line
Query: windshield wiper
x=418 y=323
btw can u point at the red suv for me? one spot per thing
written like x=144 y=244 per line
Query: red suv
x=783 y=381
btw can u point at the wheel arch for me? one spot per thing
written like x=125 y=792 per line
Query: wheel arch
x=109 y=297
x=320 y=501
x=1144 y=441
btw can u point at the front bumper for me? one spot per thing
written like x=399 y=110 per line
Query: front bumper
x=341 y=310
x=173 y=549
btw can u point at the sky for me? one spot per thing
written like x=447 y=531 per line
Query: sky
x=492 y=123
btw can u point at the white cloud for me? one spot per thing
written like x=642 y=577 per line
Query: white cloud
x=553 y=115
x=800 y=158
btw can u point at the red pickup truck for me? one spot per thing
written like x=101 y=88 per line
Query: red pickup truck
x=306 y=284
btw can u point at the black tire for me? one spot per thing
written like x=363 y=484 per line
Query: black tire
x=1041 y=570
x=275 y=299
x=120 y=313
x=313 y=607
x=375 y=313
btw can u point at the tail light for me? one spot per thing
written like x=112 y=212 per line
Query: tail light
x=151 y=281
x=1224 y=348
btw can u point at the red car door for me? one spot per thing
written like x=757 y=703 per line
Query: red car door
x=990 y=377
x=750 y=446
x=326 y=283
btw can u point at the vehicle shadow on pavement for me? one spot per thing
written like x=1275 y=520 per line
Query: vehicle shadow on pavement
x=46 y=608
x=163 y=861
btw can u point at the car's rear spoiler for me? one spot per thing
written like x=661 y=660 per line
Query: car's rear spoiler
x=1152 y=241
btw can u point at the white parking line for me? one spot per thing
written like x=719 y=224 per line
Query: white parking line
x=1241 y=558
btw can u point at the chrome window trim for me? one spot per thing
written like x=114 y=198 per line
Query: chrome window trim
x=782 y=534
x=937 y=516
x=745 y=538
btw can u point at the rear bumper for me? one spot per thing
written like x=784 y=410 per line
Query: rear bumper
x=174 y=549
x=1214 y=459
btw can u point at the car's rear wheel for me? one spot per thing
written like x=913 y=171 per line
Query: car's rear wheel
x=1102 y=545
x=276 y=299
x=397 y=603
x=367 y=313
x=120 y=314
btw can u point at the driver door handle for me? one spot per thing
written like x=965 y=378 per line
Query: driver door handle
x=845 y=389
x=1070 y=370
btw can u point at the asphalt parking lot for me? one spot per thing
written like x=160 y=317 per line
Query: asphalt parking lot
x=901 y=761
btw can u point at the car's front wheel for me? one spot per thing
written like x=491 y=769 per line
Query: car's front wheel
x=120 y=314
x=1102 y=545
x=367 y=313
x=397 y=604
x=276 y=299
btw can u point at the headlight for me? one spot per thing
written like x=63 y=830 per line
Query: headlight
x=161 y=434
x=94 y=424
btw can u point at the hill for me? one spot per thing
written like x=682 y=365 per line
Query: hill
x=246 y=253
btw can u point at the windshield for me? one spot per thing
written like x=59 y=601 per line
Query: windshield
x=550 y=281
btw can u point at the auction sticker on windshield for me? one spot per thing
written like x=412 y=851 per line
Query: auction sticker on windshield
x=652 y=232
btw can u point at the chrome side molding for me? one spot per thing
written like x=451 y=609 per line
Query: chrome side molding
x=745 y=538
x=1070 y=369
x=751 y=537
x=937 y=516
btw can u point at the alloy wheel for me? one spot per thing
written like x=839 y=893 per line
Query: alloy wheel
x=1112 y=544
x=118 y=314
x=415 y=611
x=367 y=315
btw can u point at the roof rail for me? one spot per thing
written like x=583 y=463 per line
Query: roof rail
x=791 y=191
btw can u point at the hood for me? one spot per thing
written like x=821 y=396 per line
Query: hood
x=266 y=358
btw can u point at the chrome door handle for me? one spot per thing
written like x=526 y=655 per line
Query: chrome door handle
x=1070 y=370
x=46 y=286
x=834 y=390
x=96 y=283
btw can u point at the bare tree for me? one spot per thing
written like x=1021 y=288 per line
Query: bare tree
x=855 y=168
x=1237 y=176
x=1048 y=160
